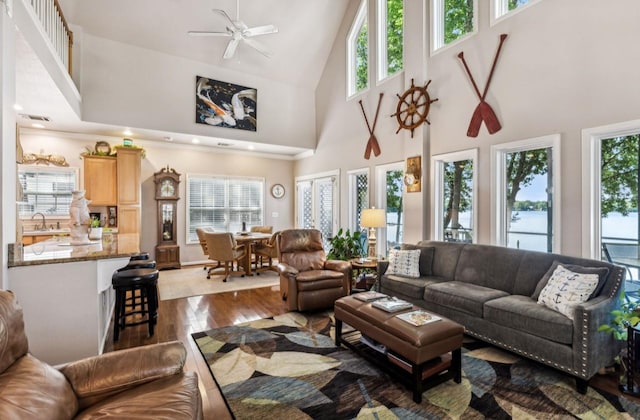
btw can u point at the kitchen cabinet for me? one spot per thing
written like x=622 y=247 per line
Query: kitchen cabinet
x=100 y=183
x=129 y=189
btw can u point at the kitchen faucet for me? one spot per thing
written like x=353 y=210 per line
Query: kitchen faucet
x=44 y=222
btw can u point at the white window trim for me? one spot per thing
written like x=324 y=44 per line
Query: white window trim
x=499 y=10
x=382 y=59
x=591 y=174
x=351 y=176
x=498 y=181
x=437 y=182
x=437 y=27
x=380 y=197
x=352 y=36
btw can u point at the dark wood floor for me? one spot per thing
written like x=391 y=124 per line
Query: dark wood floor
x=178 y=318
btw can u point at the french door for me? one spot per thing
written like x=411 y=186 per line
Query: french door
x=317 y=204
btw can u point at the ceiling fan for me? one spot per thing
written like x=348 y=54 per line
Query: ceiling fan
x=238 y=31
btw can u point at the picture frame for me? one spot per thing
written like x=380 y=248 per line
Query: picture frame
x=223 y=104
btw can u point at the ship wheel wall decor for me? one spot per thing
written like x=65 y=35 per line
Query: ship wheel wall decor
x=413 y=107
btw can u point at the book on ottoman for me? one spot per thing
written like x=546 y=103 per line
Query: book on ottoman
x=392 y=304
x=418 y=317
x=369 y=296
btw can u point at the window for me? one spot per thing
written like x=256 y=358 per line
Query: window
x=501 y=8
x=390 y=37
x=46 y=190
x=317 y=203
x=358 y=53
x=452 y=20
x=526 y=186
x=610 y=197
x=389 y=196
x=455 y=195
x=358 y=197
x=223 y=203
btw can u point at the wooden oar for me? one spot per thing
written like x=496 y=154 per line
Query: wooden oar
x=483 y=111
x=372 y=143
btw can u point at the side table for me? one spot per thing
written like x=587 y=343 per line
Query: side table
x=364 y=266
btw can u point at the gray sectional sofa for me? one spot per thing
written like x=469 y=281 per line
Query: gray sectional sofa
x=489 y=290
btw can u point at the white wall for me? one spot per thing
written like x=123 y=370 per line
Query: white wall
x=185 y=160
x=566 y=65
x=131 y=86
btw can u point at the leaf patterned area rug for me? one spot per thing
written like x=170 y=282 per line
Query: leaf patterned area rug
x=287 y=367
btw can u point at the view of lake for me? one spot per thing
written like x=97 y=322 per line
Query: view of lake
x=615 y=227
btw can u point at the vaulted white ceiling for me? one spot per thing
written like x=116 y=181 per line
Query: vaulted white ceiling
x=307 y=31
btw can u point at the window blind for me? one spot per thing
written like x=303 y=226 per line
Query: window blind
x=223 y=203
x=46 y=190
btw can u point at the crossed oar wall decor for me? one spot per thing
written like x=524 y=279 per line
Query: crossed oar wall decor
x=483 y=111
x=372 y=144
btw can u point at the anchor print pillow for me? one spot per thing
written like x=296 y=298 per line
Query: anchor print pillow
x=566 y=289
x=404 y=263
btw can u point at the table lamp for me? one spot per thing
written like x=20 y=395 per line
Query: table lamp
x=373 y=218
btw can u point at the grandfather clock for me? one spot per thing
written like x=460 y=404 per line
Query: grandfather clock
x=167 y=250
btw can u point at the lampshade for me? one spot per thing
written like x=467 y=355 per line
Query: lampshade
x=373 y=218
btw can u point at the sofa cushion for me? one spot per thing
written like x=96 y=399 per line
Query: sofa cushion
x=174 y=397
x=404 y=263
x=566 y=289
x=408 y=286
x=465 y=297
x=13 y=340
x=489 y=266
x=523 y=314
x=602 y=273
x=31 y=389
x=445 y=257
x=319 y=279
x=426 y=257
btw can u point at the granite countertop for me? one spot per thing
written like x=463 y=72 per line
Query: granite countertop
x=58 y=250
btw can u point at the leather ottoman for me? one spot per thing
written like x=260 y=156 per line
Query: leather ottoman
x=431 y=353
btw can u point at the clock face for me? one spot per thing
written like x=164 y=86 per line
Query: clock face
x=277 y=191
x=167 y=189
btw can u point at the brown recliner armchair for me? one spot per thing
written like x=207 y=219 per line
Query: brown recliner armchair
x=308 y=281
x=142 y=382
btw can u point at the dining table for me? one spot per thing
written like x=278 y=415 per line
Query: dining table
x=249 y=239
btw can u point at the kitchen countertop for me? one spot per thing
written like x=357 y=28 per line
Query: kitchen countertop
x=58 y=250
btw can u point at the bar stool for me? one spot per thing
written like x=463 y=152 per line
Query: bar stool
x=132 y=300
x=146 y=281
x=139 y=256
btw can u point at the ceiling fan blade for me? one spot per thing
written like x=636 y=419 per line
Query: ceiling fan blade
x=225 y=15
x=260 y=30
x=231 y=48
x=258 y=47
x=208 y=33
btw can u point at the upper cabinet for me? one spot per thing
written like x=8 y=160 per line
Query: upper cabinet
x=100 y=180
x=128 y=169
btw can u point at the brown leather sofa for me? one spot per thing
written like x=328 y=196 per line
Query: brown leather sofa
x=308 y=281
x=142 y=382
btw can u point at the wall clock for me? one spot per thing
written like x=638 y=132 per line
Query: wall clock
x=277 y=190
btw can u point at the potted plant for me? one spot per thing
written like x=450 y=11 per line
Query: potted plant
x=345 y=245
x=95 y=230
x=626 y=317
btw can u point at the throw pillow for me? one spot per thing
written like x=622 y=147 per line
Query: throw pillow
x=602 y=272
x=426 y=257
x=404 y=263
x=566 y=289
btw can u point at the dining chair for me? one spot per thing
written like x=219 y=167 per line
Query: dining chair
x=203 y=243
x=224 y=249
x=262 y=229
x=266 y=250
